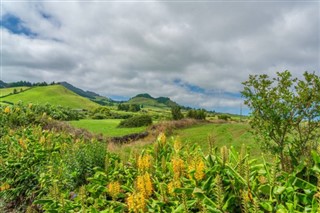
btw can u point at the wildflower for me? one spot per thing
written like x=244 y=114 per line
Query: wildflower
x=4 y=187
x=173 y=185
x=199 y=174
x=197 y=167
x=162 y=138
x=144 y=185
x=144 y=162
x=224 y=154
x=7 y=109
x=177 y=144
x=114 y=189
x=136 y=202
x=178 y=167
x=30 y=105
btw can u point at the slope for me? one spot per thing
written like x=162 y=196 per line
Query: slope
x=148 y=100
x=88 y=94
x=11 y=90
x=55 y=95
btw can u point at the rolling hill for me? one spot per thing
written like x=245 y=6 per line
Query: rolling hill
x=54 y=94
x=88 y=94
x=148 y=100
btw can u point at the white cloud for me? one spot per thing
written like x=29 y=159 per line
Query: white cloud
x=126 y=48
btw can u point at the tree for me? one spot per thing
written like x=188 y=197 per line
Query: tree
x=285 y=113
x=176 y=113
x=199 y=114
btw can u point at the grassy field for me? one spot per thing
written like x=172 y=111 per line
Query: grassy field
x=227 y=134
x=55 y=95
x=7 y=91
x=107 y=127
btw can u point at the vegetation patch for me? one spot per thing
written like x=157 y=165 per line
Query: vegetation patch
x=107 y=127
x=136 y=121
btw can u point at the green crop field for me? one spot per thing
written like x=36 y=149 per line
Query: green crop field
x=107 y=127
x=55 y=95
x=7 y=91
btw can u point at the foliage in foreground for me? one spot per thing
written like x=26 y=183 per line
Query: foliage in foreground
x=20 y=115
x=57 y=174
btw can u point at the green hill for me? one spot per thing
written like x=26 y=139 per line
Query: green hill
x=88 y=94
x=148 y=100
x=55 y=95
x=11 y=90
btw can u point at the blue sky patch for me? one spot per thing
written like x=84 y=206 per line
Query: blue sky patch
x=200 y=90
x=15 y=25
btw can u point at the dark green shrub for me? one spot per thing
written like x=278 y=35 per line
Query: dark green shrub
x=197 y=114
x=176 y=113
x=136 y=121
x=224 y=117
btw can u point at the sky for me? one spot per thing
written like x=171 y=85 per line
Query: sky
x=195 y=52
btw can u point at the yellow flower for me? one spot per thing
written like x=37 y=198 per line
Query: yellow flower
x=162 y=138
x=144 y=185
x=173 y=185
x=178 y=167
x=7 y=109
x=144 y=162
x=177 y=144
x=136 y=202
x=4 y=187
x=197 y=166
x=114 y=189
x=30 y=105
x=199 y=173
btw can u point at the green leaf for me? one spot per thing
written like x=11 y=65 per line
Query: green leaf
x=266 y=206
x=279 y=189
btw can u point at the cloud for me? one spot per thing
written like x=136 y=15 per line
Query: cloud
x=125 y=48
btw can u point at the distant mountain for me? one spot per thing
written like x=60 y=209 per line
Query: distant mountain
x=3 y=84
x=88 y=94
x=147 y=100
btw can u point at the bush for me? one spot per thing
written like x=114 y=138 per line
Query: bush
x=224 y=117
x=101 y=113
x=197 y=114
x=136 y=121
x=176 y=113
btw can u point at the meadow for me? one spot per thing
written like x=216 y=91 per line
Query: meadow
x=107 y=127
x=7 y=91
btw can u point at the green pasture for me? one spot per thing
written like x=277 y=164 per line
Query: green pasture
x=228 y=134
x=7 y=91
x=107 y=127
x=55 y=95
